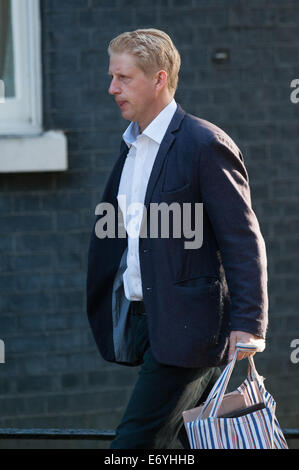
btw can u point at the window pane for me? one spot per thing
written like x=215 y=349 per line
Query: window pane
x=6 y=48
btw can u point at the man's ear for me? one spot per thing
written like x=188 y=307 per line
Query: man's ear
x=161 y=79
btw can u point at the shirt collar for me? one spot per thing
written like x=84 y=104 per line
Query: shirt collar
x=131 y=133
x=156 y=129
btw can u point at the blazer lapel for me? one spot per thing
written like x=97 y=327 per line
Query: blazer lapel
x=161 y=155
x=112 y=186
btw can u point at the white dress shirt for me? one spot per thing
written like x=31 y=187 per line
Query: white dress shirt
x=132 y=189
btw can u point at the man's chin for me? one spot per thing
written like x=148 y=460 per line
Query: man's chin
x=127 y=115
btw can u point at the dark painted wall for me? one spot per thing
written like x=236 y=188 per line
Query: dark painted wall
x=54 y=376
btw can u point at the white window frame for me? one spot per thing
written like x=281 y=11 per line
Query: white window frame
x=22 y=114
x=24 y=146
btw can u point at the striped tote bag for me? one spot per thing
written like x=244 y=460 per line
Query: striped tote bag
x=221 y=423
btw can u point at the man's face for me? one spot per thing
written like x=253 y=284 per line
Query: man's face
x=134 y=92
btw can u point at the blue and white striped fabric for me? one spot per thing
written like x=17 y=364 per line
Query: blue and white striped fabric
x=256 y=430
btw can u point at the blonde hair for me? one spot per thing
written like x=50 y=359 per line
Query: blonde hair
x=154 y=51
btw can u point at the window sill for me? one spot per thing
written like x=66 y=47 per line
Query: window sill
x=42 y=153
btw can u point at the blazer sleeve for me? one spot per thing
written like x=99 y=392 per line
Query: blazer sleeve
x=224 y=186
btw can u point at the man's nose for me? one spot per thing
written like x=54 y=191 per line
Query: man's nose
x=113 y=88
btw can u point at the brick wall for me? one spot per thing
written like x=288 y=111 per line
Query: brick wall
x=53 y=375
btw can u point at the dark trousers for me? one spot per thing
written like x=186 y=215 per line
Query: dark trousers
x=153 y=417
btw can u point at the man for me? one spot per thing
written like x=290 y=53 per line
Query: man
x=176 y=311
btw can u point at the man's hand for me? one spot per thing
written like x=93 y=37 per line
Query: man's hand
x=243 y=337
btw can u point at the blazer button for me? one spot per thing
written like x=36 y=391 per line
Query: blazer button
x=145 y=251
x=149 y=289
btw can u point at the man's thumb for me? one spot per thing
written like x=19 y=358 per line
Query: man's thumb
x=232 y=347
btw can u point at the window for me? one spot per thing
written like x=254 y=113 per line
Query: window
x=6 y=49
x=20 y=67
x=24 y=147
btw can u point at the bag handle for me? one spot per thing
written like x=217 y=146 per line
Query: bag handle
x=220 y=386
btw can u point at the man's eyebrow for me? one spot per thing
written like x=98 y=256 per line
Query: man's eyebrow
x=111 y=74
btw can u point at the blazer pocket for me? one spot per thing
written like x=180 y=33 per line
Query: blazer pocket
x=204 y=284
x=199 y=307
x=181 y=194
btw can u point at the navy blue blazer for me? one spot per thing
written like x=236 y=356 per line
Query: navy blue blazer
x=193 y=297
